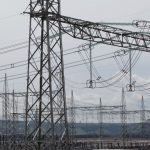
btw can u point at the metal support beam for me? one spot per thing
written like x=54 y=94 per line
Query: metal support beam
x=104 y=34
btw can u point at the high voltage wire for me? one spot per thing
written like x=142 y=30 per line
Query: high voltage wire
x=7 y=50
x=10 y=16
x=73 y=66
x=125 y=68
x=104 y=81
x=76 y=63
x=65 y=67
x=18 y=76
x=127 y=63
x=11 y=48
x=77 y=51
x=97 y=74
x=82 y=46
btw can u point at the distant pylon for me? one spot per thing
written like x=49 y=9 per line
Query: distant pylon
x=6 y=108
x=100 y=119
x=124 y=132
x=72 y=119
x=13 y=128
x=142 y=118
x=100 y=122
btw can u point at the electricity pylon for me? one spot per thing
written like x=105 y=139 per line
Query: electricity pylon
x=123 y=118
x=142 y=118
x=51 y=130
x=5 y=113
x=72 y=120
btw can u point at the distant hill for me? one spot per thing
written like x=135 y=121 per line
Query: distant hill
x=92 y=129
x=112 y=129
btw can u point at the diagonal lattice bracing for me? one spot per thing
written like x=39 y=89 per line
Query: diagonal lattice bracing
x=46 y=120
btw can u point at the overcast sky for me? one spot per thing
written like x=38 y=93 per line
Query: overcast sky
x=14 y=29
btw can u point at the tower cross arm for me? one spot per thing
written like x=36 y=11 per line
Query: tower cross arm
x=101 y=33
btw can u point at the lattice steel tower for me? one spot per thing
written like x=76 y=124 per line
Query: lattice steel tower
x=100 y=120
x=5 y=113
x=72 y=119
x=142 y=118
x=124 y=132
x=72 y=122
x=46 y=77
x=13 y=125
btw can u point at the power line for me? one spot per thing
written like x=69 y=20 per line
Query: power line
x=10 y=16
